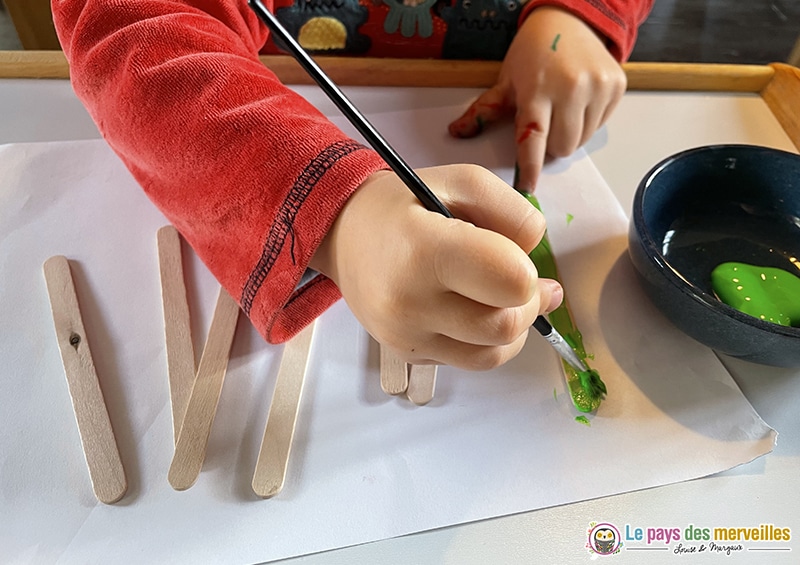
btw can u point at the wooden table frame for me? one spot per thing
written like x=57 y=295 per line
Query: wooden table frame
x=778 y=83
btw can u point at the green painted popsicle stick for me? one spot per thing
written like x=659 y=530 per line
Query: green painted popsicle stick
x=586 y=389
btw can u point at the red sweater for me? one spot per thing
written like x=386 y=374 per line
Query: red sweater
x=250 y=173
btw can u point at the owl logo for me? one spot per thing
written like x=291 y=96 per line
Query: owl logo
x=604 y=539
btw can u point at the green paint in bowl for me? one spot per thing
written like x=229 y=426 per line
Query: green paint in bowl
x=767 y=293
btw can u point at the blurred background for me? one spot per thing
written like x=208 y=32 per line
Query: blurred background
x=8 y=35
x=700 y=31
x=719 y=31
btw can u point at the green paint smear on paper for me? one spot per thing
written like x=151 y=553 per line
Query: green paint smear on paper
x=583 y=420
x=767 y=293
x=570 y=217
x=586 y=387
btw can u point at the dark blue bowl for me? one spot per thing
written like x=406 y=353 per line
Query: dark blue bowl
x=706 y=206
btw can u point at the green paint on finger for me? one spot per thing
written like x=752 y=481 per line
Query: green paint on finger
x=480 y=123
x=570 y=217
x=555 y=42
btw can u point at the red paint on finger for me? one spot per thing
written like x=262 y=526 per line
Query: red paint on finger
x=463 y=128
x=475 y=119
x=458 y=130
x=530 y=127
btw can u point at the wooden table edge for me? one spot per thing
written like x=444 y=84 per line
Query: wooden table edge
x=777 y=83
x=366 y=71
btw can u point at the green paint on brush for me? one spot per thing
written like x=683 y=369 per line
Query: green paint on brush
x=586 y=388
x=583 y=420
x=591 y=382
x=767 y=293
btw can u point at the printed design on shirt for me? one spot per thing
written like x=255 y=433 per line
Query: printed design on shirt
x=410 y=16
x=329 y=26
x=283 y=227
x=479 y=29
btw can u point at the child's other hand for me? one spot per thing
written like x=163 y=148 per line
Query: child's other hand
x=559 y=82
x=437 y=290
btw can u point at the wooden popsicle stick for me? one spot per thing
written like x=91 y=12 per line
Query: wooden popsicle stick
x=177 y=325
x=421 y=383
x=394 y=372
x=190 y=449
x=273 y=457
x=97 y=436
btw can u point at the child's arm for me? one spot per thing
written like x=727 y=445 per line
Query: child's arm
x=560 y=79
x=254 y=178
x=250 y=173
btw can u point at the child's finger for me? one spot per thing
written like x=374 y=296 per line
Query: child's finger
x=479 y=324
x=482 y=265
x=617 y=91
x=447 y=351
x=532 y=127
x=591 y=121
x=465 y=320
x=490 y=106
x=566 y=129
x=476 y=195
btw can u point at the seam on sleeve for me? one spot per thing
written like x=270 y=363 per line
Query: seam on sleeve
x=609 y=13
x=284 y=222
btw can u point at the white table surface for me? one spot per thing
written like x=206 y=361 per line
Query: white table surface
x=645 y=128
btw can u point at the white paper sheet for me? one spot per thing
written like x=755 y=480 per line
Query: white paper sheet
x=364 y=466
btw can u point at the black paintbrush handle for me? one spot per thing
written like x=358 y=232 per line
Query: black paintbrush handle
x=543 y=326
x=365 y=128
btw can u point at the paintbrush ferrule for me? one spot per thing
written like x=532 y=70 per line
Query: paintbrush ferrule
x=565 y=350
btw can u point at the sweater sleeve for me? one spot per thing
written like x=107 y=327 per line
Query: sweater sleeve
x=617 y=20
x=249 y=173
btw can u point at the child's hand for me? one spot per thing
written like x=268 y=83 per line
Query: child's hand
x=559 y=82
x=438 y=290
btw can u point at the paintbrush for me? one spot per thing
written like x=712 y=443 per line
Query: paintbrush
x=592 y=388
x=382 y=147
